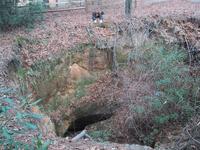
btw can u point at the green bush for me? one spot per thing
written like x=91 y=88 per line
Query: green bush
x=17 y=121
x=175 y=88
x=13 y=16
x=176 y=91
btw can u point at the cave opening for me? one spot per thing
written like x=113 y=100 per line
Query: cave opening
x=80 y=123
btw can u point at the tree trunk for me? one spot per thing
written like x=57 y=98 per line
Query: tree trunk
x=128 y=7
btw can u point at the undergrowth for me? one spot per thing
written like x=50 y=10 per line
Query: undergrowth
x=17 y=123
x=176 y=91
x=45 y=77
x=13 y=16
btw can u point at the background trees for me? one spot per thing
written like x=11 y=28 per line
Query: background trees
x=13 y=16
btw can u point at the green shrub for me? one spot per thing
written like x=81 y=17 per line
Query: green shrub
x=13 y=16
x=173 y=82
x=17 y=121
x=176 y=92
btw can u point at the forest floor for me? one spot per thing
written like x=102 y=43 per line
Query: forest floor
x=62 y=30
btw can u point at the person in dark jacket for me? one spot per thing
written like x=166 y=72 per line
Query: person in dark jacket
x=97 y=16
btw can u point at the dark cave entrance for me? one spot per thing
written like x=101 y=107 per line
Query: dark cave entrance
x=79 y=124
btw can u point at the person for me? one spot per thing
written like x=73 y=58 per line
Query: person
x=97 y=16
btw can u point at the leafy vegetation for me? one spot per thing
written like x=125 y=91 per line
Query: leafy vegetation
x=176 y=91
x=13 y=16
x=17 y=122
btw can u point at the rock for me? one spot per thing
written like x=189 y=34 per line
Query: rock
x=77 y=72
x=137 y=147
